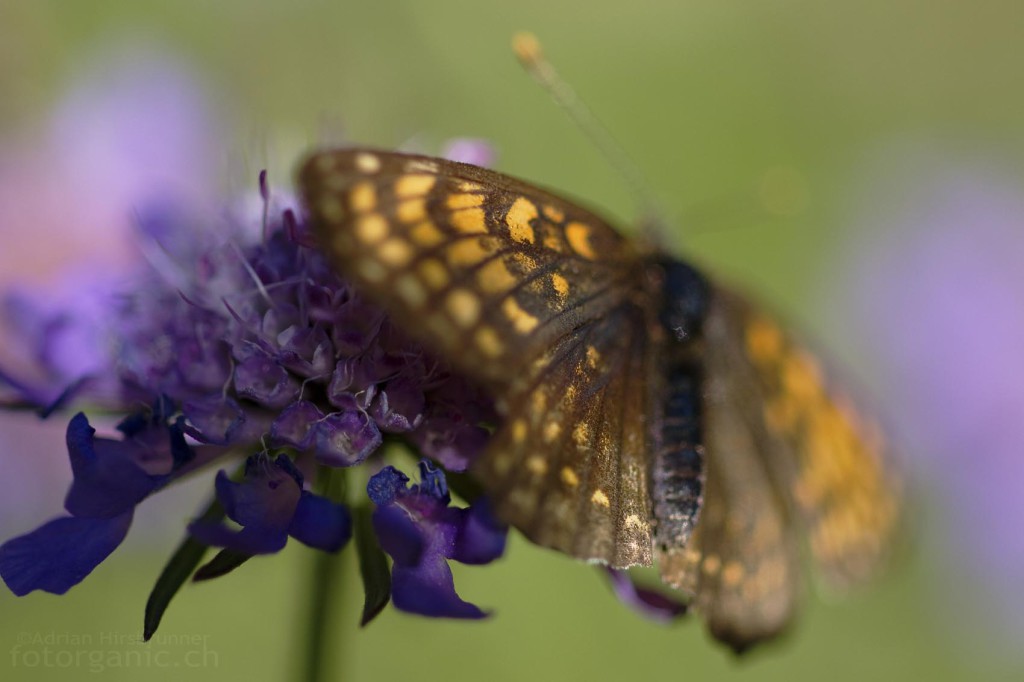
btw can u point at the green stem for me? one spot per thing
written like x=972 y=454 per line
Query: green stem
x=327 y=581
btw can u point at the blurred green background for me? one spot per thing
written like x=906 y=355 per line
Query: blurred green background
x=751 y=121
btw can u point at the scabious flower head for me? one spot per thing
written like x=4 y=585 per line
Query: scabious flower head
x=941 y=286
x=238 y=339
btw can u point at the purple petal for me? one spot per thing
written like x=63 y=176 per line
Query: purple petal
x=399 y=406
x=429 y=590
x=481 y=537
x=398 y=535
x=384 y=486
x=262 y=380
x=294 y=426
x=215 y=420
x=58 y=555
x=320 y=523
x=250 y=540
x=266 y=498
x=346 y=438
x=649 y=603
x=107 y=482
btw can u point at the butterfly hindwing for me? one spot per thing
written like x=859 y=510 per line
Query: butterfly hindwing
x=570 y=466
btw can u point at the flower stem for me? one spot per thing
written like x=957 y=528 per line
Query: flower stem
x=327 y=580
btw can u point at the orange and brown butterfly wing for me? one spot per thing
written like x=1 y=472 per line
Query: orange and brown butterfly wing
x=527 y=294
x=571 y=464
x=789 y=462
x=486 y=270
x=830 y=457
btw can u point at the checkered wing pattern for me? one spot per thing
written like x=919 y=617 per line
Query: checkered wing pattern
x=534 y=298
x=487 y=270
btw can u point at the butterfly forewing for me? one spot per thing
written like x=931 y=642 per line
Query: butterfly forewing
x=486 y=270
x=534 y=298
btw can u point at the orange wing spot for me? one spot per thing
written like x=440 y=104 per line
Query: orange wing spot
x=593 y=357
x=537 y=465
x=457 y=202
x=553 y=213
x=518 y=220
x=363 y=196
x=434 y=273
x=578 y=236
x=421 y=166
x=599 y=498
x=527 y=263
x=467 y=186
x=494 y=277
x=464 y=307
x=367 y=163
x=488 y=342
x=426 y=234
x=371 y=228
x=412 y=210
x=466 y=253
x=561 y=285
x=764 y=341
x=569 y=477
x=395 y=252
x=552 y=240
x=469 y=221
x=711 y=565
x=802 y=376
x=331 y=209
x=522 y=321
x=414 y=185
x=551 y=431
x=519 y=430
x=410 y=290
x=581 y=434
x=732 y=573
x=371 y=270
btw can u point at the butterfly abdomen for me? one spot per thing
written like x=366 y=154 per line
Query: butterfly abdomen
x=677 y=469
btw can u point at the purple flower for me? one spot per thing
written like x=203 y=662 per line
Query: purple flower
x=942 y=291
x=421 y=532
x=246 y=339
x=110 y=478
x=270 y=505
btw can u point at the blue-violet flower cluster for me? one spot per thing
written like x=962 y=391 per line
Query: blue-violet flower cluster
x=240 y=343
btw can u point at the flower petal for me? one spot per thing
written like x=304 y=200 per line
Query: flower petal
x=649 y=603
x=107 y=482
x=320 y=523
x=346 y=438
x=58 y=555
x=481 y=537
x=428 y=589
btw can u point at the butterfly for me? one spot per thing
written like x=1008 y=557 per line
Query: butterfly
x=649 y=413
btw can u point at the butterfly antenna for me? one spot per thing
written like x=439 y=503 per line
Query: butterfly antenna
x=528 y=50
